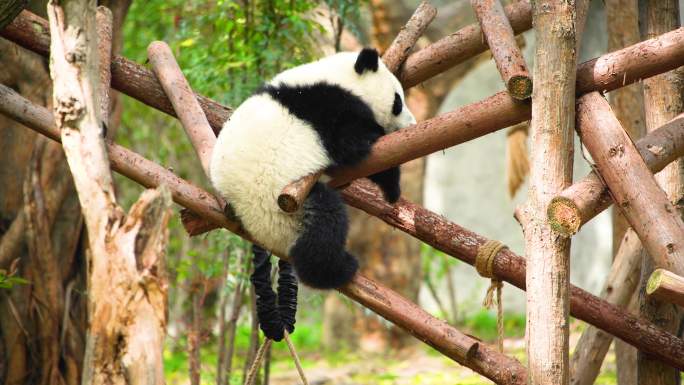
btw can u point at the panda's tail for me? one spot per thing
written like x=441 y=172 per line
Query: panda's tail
x=318 y=256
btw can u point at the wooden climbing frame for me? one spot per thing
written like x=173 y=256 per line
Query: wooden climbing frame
x=205 y=212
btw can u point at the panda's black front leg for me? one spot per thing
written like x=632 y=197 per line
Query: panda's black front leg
x=388 y=181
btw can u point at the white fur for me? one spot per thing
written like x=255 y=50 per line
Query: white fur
x=262 y=147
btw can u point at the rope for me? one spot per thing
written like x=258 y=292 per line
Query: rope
x=256 y=364
x=295 y=358
x=484 y=263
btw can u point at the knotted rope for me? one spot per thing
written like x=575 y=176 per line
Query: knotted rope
x=484 y=263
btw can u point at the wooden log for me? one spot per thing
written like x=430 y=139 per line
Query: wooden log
x=551 y=157
x=458 y=47
x=293 y=195
x=644 y=204
x=31 y=32
x=184 y=102
x=407 y=37
x=666 y=286
x=585 y=199
x=467 y=351
x=607 y=72
x=501 y=40
x=618 y=289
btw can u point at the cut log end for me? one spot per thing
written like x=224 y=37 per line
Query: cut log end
x=654 y=282
x=293 y=195
x=520 y=87
x=564 y=216
x=287 y=203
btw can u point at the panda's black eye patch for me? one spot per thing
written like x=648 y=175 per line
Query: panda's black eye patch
x=397 y=105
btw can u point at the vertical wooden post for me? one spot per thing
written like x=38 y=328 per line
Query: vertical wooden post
x=551 y=146
x=663 y=99
x=126 y=281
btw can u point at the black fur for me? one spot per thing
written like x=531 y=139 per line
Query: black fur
x=367 y=61
x=319 y=255
x=266 y=301
x=388 y=181
x=344 y=122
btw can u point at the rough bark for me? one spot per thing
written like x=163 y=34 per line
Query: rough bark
x=620 y=285
x=501 y=40
x=124 y=341
x=416 y=221
x=663 y=99
x=551 y=149
x=644 y=204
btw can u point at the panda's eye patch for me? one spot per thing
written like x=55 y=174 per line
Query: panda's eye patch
x=397 y=105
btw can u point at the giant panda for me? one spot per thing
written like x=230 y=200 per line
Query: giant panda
x=326 y=113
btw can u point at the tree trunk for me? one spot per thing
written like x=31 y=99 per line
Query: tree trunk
x=551 y=147
x=663 y=99
x=627 y=104
x=126 y=272
x=27 y=73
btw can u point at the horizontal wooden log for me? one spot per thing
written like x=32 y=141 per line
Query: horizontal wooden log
x=588 y=197
x=460 y=347
x=458 y=47
x=631 y=183
x=501 y=40
x=666 y=286
x=605 y=73
x=31 y=32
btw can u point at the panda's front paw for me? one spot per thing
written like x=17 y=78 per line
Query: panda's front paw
x=392 y=193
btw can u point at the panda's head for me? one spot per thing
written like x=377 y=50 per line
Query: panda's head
x=381 y=90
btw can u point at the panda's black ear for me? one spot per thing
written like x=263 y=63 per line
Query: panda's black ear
x=367 y=60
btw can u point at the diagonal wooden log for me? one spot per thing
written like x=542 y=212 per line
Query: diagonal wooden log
x=463 y=349
x=182 y=98
x=605 y=73
x=585 y=199
x=501 y=40
x=618 y=289
x=643 y=203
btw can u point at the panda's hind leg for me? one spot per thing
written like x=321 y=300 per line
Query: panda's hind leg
x=318 y=255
